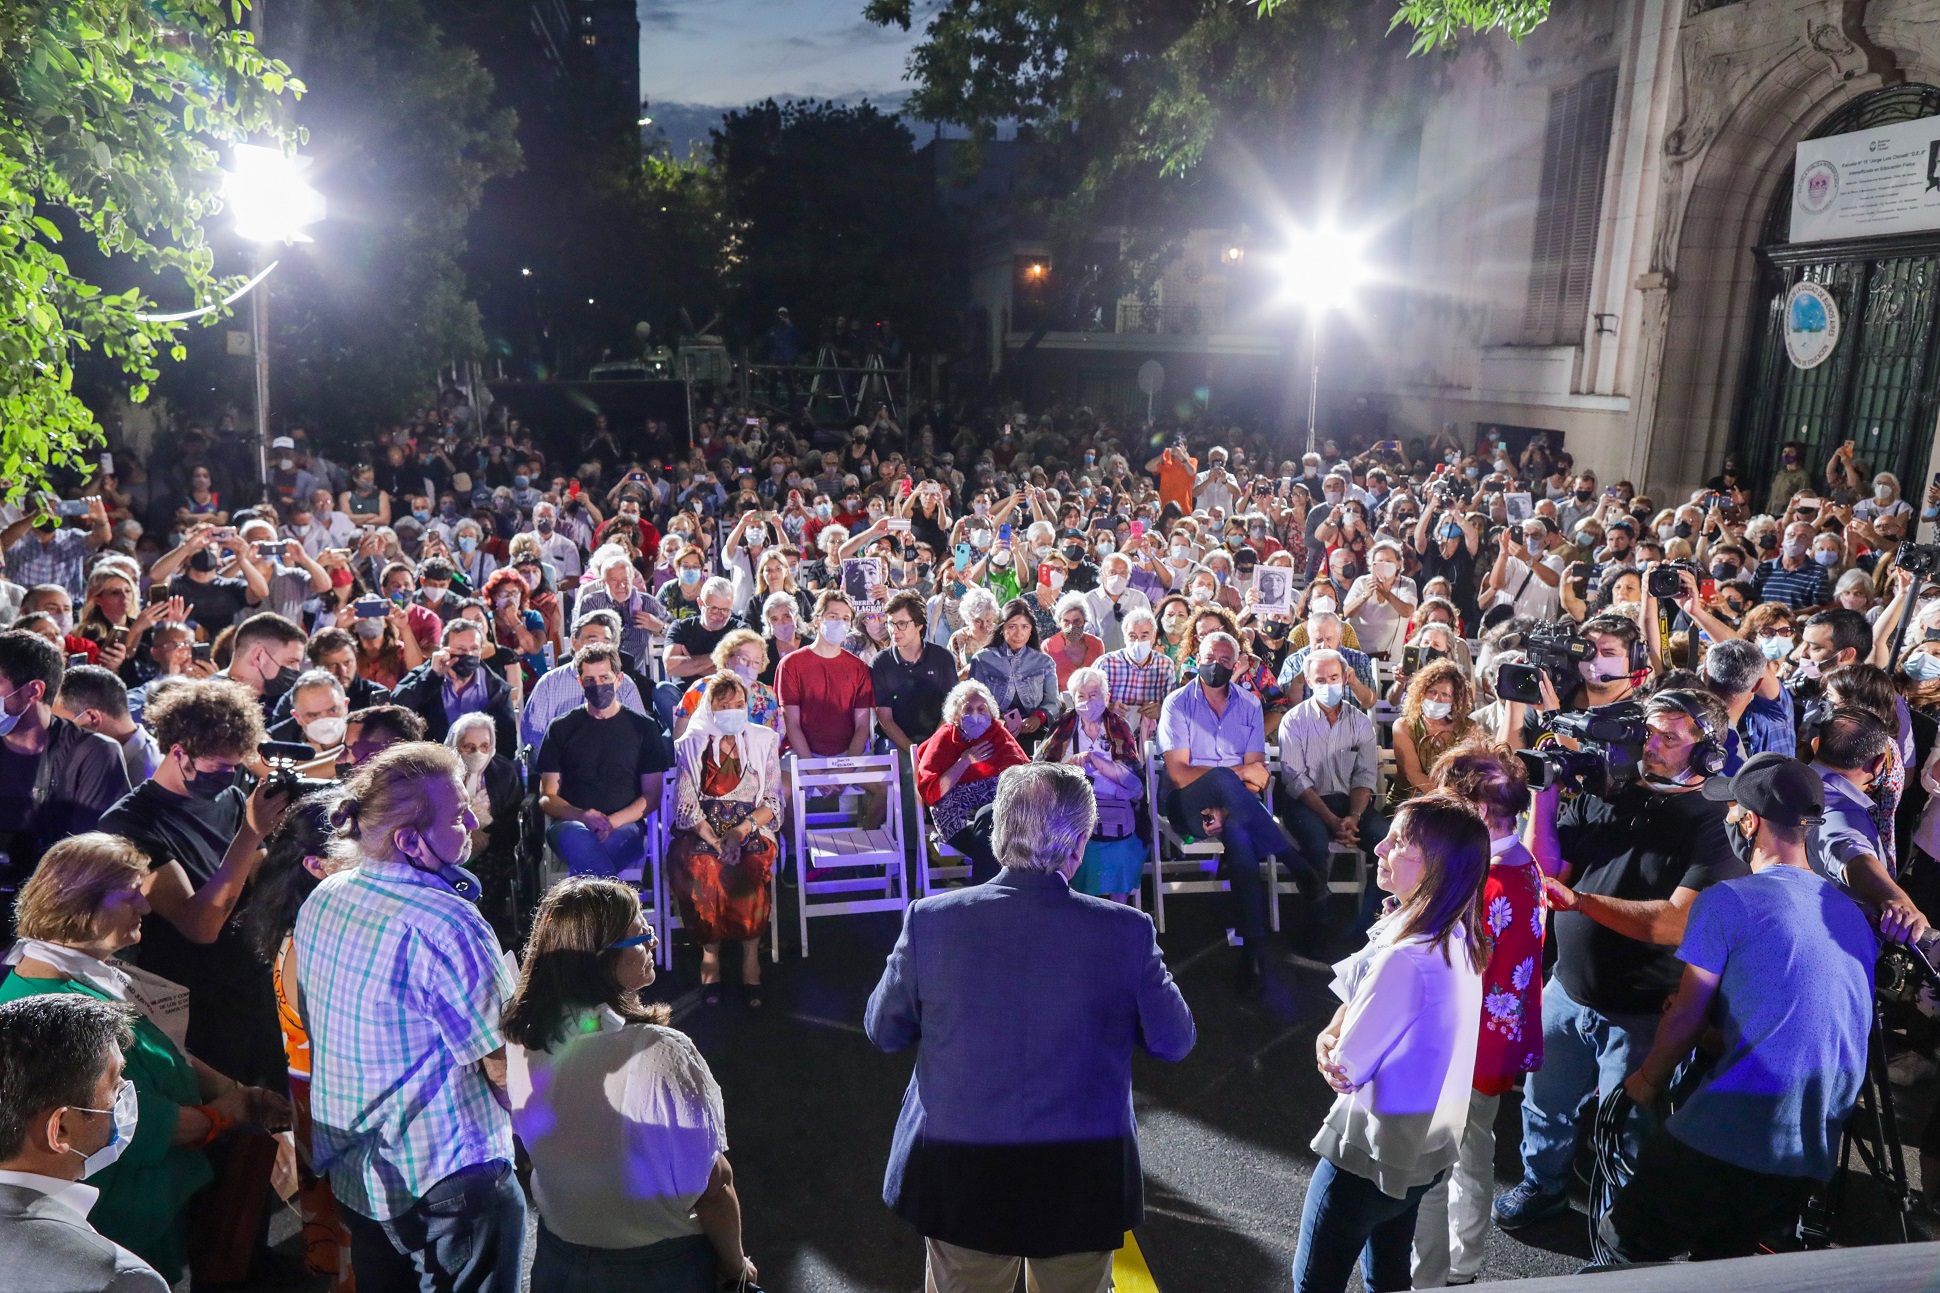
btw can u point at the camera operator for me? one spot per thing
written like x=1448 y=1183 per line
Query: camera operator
x=1845 y=848
x=1786 y=972
x=1638 y=858
x=1604 y=679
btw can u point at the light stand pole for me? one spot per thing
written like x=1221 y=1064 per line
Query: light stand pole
x=259 y=351
x=1313 y=383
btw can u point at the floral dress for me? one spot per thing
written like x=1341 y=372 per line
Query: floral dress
x=723 y=895
x=1511 y=1041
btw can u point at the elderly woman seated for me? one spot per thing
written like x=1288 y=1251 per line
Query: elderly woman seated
x=727 y=811
x=744 y=654
x=1097 y=742
x=495 y=788
x=956 y=773
x=84 y=905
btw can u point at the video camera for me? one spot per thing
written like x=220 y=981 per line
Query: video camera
x=283 y=758
x=1922 y=559
x=1553 y=650
x=1611 y=738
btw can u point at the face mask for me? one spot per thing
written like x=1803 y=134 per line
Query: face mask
x=979 y=538
x=370 y=630
x=1180 y=553
x=1775 y=648
x=1115 y=585
x=974 y=725
x=1473 y=473
x=744 y=671
x=1793 y=549
x=835 y=632
x=127 y=1115
x=1383 y=569
x=1174 y=624
x=731 y=722
x=1054 y=579
x=1142 y=651
x=325 y=732
x=1322 y=605
x=202 y=560
x=1882 y=493
x=1741 y=845
x=1604 y=669
x=824 y=511
x=1105 y=548
x=207 y=786
x=1202 y=593
x=1924 y=667
x=1826 y=556
x=785 y=631
x=1437 y=710
x=1723 y=571
x=598 y=694
x=689 y=576
x=281 y=681
x=1215 y=674
x=467 y=544
x=1582 y=495
x=1000 y=558
x=464 y=666
x=1330 y=694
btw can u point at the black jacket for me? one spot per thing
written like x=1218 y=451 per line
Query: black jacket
x=361 y=694
x=422 y=692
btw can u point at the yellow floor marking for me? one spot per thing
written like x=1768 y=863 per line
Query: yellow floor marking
x=1129 y=1273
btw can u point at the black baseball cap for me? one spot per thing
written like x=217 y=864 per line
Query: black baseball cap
x=1778 y=789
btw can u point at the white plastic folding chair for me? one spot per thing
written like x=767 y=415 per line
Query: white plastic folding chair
x=1182 y=866
x=938 y=863
x=863 y=860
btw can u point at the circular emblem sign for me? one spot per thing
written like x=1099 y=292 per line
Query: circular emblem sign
x=1811 y=325
x=1818 y=185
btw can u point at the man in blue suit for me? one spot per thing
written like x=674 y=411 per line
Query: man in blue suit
x=1016 y=1141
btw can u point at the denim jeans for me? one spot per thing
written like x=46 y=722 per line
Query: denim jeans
x=1585 y=1055
x=1347 y=1216
x=586 y=854
x=466 y=1235
x=682 y=1265
x=1313 y=839
x=1250 y=834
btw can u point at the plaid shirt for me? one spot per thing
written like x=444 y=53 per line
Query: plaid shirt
x=62 y=561
x=1131 y=685
x=402 y=987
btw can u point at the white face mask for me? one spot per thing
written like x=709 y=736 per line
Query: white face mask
x=326 y=731
x=127 y=1116
x=1437 y=710
x=1140 y=651
x=1330 y=694
x=475 y=761
x=835 y=632
x=1323 y=605
x=1054 y=579
x=732 y=722
x=1882 y=493
x=1115 y=585
x=1202 y=593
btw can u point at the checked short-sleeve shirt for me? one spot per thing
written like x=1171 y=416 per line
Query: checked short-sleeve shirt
x=1129 y=684
x=402 y=986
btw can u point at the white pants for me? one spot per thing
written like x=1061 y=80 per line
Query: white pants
x=1453 y=1223
x=965 y=1270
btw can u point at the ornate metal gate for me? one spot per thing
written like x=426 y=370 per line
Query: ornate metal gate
x=1880 y=388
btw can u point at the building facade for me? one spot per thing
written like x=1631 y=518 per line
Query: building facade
x=1600 y=241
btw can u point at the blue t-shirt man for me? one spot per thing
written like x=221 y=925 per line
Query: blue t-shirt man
x=1794 y=959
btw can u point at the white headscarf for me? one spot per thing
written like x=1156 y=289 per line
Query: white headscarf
x=75 y=964
x=703 y=723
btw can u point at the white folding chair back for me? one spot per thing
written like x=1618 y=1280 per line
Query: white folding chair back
x=864 y=860
x=937 y=863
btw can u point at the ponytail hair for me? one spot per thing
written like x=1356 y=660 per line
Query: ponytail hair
x=387 y=795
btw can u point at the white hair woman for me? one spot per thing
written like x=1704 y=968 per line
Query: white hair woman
x=957 y=769
x=979 y=611
x=1097 y=742
x=612 y=584
x=1071 y=647
x=727 y=813
x=494 y=787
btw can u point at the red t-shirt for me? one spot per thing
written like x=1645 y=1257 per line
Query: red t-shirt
x=1511 y=1041
x=1087 y=653
x=828 y=691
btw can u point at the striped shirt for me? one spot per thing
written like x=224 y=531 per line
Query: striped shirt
x=402 y=986
x=1129 y=684
x=61 y=560
x=1805 y=586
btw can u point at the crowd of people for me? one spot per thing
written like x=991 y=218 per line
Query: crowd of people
x=283 y=760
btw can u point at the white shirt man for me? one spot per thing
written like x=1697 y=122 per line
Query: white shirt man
x=1107 y=605
x=1536 y=593
x=554 y=547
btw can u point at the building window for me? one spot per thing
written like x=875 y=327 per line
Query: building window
x=1576 y=144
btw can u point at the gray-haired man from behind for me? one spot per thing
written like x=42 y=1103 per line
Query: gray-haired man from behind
x=1016 y=1144
x=1737 y=673
x=63 y=1115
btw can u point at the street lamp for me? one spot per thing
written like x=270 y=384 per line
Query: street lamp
x=265 y=192
x=1321 y=269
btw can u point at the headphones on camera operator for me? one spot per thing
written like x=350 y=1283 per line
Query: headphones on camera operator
x=1708 y=755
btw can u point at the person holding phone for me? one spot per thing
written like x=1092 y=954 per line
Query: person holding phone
x=41 y=548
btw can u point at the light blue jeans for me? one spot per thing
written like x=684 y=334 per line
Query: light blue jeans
x=1586 y=1054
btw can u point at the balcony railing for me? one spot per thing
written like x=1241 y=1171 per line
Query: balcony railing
x=1169 y=320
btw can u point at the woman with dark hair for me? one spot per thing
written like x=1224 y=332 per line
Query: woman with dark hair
x=296 y=857
x=619 y=1112
x=1400 y=1051
x=1022 y=680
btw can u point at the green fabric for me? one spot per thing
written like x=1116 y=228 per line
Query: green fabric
x=1002 y=582
x=144 y=1191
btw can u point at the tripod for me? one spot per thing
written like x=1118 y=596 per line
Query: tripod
x=1872 y=1134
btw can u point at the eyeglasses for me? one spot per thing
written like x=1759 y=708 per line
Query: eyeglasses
x=649 y=939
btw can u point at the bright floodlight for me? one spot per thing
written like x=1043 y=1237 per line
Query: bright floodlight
x=267 y=196
x=1322 y=268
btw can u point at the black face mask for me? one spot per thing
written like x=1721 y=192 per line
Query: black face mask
x=464 y=666
x=202 y=560
x=1682 y=529
x=209 y=785
x=1740 y=846
x=1582 y=495
x=1216 y=675
x=1074 y=553
x=598 y=694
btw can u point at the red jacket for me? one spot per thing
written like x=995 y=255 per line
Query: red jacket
x=946 y=745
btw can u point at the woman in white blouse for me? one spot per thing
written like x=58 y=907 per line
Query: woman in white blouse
x=727 y=819
x=1400 y=1052
x=619 y=1112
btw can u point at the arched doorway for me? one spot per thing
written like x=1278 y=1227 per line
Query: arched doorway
x=1880 y=388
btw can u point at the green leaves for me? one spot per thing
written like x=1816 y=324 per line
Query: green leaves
x=110 y=111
